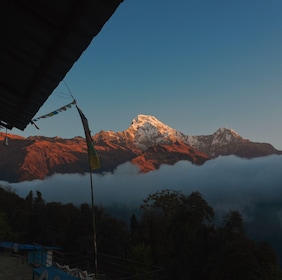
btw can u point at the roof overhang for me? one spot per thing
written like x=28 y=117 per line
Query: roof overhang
x=40 y=42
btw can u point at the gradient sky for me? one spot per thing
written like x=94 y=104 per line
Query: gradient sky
x=195 y=65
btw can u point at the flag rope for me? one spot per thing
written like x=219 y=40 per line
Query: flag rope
x=53 y=113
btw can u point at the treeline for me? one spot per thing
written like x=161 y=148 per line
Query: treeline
x=175 y=231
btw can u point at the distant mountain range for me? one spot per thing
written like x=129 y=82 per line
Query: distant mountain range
x=147 y=143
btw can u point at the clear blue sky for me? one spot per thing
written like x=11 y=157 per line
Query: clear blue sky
x=195 y=65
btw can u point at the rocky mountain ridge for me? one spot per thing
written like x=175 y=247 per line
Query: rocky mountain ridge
x=147 y=143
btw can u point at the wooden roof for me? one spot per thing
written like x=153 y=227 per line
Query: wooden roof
x=40 y=42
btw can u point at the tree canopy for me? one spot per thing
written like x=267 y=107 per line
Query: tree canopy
x=175 y=231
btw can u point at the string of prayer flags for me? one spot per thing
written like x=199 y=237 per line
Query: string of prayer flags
x=51 y=114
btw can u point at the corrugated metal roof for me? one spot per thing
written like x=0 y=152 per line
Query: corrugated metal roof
x=29 y=247
x=40 y=42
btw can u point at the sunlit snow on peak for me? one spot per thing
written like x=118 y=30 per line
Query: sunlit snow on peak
x=146 y=122
x=148 y=129
x=225 y=136
x=226 y=130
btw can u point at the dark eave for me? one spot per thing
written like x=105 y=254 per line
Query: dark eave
x=40 y=42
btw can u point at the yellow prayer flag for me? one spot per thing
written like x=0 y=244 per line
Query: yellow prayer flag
x=94 y=161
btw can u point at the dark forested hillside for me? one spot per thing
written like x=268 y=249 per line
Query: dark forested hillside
x=175 y=231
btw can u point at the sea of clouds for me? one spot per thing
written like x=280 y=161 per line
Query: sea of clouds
x=251 y=186
x=225 y=182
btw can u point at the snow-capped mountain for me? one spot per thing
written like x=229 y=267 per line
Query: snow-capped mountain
x=147 y=143
x=147 y=131
x=213 y=144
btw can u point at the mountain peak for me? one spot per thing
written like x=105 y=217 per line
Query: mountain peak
x=145 y=120
x=225 y=130
x=146 y=129
x=225 y=136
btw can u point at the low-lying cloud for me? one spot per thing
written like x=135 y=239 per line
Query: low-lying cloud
x=253 y=187
x=223 y=182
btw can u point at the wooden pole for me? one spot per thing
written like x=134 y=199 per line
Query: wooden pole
x=93 y=223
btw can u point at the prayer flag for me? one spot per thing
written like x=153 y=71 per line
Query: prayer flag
x=94 y=161
x=51 y=114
